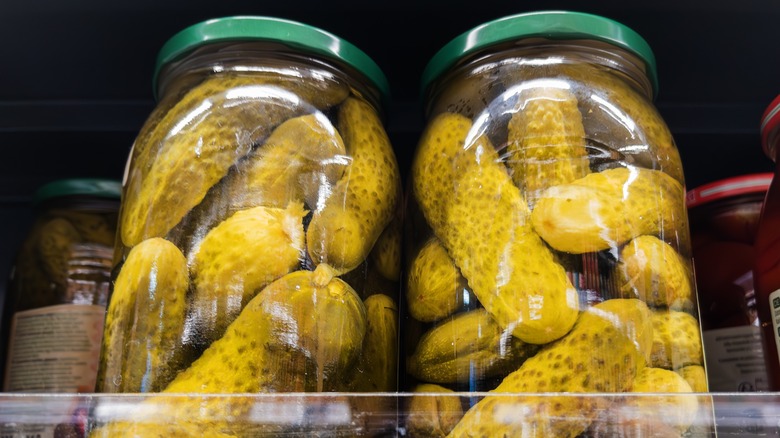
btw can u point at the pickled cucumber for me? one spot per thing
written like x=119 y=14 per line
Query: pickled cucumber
x=473 y=207
x=56 y=239
x=302 y=157
x=365 y=199
x=546 y=142
x=194 y=146
x=604 y=352
x=145 y=319
x=470 y=345
x=435 y=286
x=651 y=270
x=607 y=209
x=239 y=257
x=433 y=411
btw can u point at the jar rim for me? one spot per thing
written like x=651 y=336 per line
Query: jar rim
x=728 y=188
x=555 y=25
x=100 y=188
x=262 y=28
x=770 y=121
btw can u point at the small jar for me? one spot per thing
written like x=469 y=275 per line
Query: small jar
x=58 y=288
x=766 y=275
x=259 y=230
x=724 y=216
x=547 y=228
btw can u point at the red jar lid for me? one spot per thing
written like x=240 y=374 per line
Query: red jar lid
x=769 y=124
x=729 y=187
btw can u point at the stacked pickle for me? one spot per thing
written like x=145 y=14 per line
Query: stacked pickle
x=260 y=253
x=42 y=267
x=491 y=289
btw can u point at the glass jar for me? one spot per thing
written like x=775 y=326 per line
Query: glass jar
x=547 y=232
x=724 y=217
x=259 y=230
x=766 y=275
x=58 y=288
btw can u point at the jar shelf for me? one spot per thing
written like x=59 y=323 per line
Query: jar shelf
x=339 y=414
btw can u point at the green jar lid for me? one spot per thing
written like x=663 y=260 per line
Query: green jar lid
x=250 y=28
x=545 y=24
x=100 y=188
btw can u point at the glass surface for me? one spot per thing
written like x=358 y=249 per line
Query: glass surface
x=258 y=242
x=547 y=239
x=334 y=414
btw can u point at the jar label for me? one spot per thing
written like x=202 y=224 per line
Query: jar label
x=54 y=349
x=735 y=359
x=774 y=309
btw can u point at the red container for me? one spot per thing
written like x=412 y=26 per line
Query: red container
x=724 y=216
x=767 y=268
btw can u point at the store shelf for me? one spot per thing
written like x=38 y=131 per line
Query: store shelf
x=75 y=88
x=348 y=414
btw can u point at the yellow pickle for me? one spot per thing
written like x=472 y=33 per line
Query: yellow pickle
x=259 y=236
x=547 y=247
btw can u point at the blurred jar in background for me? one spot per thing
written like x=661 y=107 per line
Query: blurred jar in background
x=724 y=216
x=58 y=288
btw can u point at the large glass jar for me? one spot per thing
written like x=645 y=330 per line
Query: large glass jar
x=259 y=233
x=58 y=287
x=548 y=242
x=724 y=217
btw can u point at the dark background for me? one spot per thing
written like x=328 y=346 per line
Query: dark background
x=76 y=76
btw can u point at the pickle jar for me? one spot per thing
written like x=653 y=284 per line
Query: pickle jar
x=724 y=217
x=58 y=287
x=548 y=246
x=259 y=232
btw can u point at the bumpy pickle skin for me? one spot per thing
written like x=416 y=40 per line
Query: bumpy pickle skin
x=145 y=319
x=470 y=345
x=606 y=209
x=435 y=285
x=56 y=239
x=677 y=410
x=651 y=270
x=239 y=257
x=676 y=340
x=433 y=411
x=648 y=413
x=205 y=133
x=696 y=376
x=300 y=156
x=95 y=228
x=546 y=140
x=364 y=200
x=386 y=254
x=157 y=429
x=378 y=362
x=643 y=124
x=376 y=370
x=303 y=332
x=481 y=218
x=604 y=352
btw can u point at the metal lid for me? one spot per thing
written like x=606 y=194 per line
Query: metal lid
x=546 y=24
x=99 y=188
x=728 y=188
x=769 y=123
x=253 y=28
